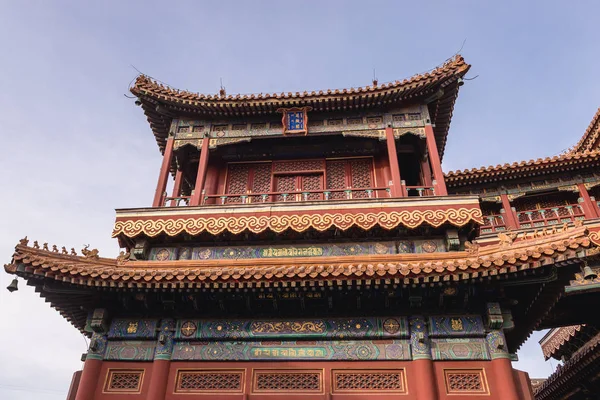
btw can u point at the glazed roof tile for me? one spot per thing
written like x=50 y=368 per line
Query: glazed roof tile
x=413 y=268
x=557 y=338
x=567 y=376
x=521 y=168
x=590 y=140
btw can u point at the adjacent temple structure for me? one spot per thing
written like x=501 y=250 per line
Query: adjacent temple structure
x=312 y=246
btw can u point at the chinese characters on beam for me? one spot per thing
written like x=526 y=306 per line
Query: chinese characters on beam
x=295 y=120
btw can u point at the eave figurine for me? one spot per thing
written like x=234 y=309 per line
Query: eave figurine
x=342 y=265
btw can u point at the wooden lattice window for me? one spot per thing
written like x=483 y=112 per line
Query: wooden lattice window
x=465 y=381
x=369 y=380
x=203 y=381
x=299 y=166
x=298 y=381
x=355 y=173
x=121 y=380
x=244 y=179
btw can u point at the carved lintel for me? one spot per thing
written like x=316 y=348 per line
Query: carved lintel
x=513 y=196
x=373 y=133
x=420 y=132
x=492 y=199
x=569 y=188
x=214 y=143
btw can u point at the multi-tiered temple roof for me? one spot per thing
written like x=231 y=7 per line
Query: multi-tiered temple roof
x=334 y=204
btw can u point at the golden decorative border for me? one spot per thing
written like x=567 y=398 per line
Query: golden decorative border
x=482 y=376
x=231 y=371
x=402 y=371
x=109 y=378
x=299 y=223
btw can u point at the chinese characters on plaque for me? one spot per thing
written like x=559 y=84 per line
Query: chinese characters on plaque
x=295 y=120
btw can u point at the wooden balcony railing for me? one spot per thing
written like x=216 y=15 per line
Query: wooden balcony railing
x=493 y=223
x=549 y=216
x=305 y=195
x=420 y=190
x=181 y=201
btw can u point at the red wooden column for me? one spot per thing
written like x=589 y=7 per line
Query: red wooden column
x=436 y=165
x=394 y=165
x=506 y=388
x=426 y=171
x=89 y=379
x=177 y=186
x=588 y=206
x=161 y=186
x=423 y=377
x=162 y=361
x=511 y=218
x=201 y=177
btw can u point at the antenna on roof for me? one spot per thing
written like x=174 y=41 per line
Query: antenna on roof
x=222 y=91
x=374 y=78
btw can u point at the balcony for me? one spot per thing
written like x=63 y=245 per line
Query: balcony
x=300 y=196
x=549 y=216
x=493 y=223
x=298 y=211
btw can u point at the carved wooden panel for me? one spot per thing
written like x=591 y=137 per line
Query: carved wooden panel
x=299 y=165
x=312 y=182
x=261 y=180
x=296 y=381
x=361 y=176
x=336 y=178
x=237 y=181
x=465 y=381
x=124 y=381
x=203 y=381
x=286 y=184
x=357 y=381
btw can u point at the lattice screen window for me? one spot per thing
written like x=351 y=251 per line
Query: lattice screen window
x=336 y=178
x=369 y=381
x=299 y=166
x=288 y=381
x=361 y=175
x=465 y=381
x=356 y=173
x=245 y=178
x=120 y=380
x=203 y=381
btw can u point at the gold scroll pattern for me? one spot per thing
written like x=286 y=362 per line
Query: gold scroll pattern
x=288 y=327
x=595 y=237
x=299 y=223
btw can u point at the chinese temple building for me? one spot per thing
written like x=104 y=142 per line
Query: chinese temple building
x=312 y=246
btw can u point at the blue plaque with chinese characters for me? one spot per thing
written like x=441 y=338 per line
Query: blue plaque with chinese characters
x=295 y=120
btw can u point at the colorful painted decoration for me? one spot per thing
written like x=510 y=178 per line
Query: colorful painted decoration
x=319 y=350
x=331 y=328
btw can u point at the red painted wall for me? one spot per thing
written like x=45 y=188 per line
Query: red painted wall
x=249 y=370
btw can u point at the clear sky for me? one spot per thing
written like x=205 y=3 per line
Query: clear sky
x=74 y=147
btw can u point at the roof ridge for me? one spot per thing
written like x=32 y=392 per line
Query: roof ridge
x=489 y=168
x=590 y=132
x=142 y=82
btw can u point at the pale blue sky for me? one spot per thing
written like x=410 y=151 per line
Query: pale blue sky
x=75 y=148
